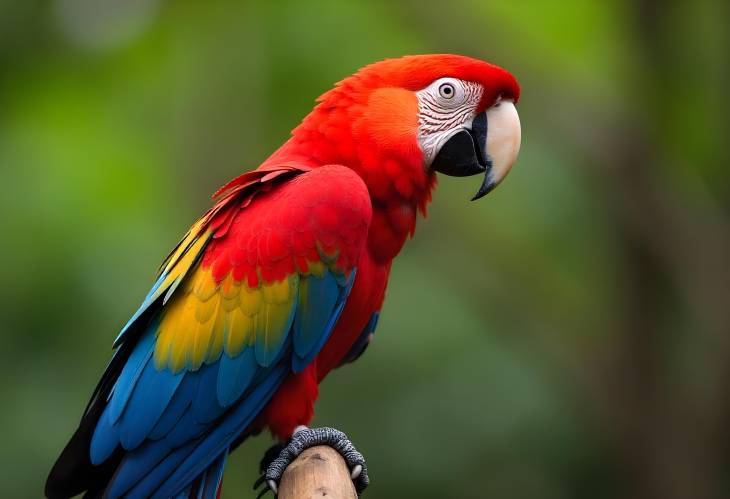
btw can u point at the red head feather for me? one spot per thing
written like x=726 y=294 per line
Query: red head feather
x=418 y=71
x=370 y=118
x=369 y=122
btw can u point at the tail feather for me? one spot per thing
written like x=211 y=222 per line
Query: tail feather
x=73 y=473
x=208 y=484
x=210 y=481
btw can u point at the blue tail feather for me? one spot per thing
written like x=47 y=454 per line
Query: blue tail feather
x=144 y=488
x=220 y=437
x=212 y=478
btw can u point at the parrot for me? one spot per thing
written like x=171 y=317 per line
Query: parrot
x=282 y=280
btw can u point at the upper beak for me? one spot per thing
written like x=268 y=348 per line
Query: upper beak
x=491 y=146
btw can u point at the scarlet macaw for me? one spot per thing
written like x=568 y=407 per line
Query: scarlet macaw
x=282 y=280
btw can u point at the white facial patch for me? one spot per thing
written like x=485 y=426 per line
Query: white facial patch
x=444 y=107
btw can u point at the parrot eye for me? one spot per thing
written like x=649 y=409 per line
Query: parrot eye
x=448 y=93
x=447 y=90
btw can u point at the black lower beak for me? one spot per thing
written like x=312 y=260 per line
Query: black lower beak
x=464 y=154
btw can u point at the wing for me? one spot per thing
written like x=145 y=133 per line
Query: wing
x=248 y=296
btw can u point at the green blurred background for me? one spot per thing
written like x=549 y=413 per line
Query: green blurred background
x=567 y=337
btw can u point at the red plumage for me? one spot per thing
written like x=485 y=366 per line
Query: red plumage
x=279 y=232
x=367 y=123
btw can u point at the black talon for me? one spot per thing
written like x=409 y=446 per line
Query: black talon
x=259 y=481
x=263 y=492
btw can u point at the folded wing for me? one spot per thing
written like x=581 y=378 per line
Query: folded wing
x=250 y=295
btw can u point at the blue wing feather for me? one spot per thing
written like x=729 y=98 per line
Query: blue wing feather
x=179 y=404
x=318 y=296
x=330 y=294
x=104 y=440
x=176 y=427
x=130 y=375
x=235 y=375
x=186 y=428
x=205 y=406
x=147 y=403
x=146 y=304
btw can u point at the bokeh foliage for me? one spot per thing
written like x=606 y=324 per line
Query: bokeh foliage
x=564 y=338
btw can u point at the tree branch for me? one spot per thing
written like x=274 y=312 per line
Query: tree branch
x=318 y=472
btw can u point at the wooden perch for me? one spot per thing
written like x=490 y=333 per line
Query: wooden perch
x=317 y=472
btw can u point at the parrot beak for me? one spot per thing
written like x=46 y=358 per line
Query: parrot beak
x=490 y=147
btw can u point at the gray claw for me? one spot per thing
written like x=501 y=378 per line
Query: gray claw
x=305 y=438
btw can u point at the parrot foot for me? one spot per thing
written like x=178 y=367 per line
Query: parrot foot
x=280 y=456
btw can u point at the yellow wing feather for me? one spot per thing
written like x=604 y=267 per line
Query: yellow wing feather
x=205 y=318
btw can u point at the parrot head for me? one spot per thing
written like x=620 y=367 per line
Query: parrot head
x=399 y=121
x=468 y=123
